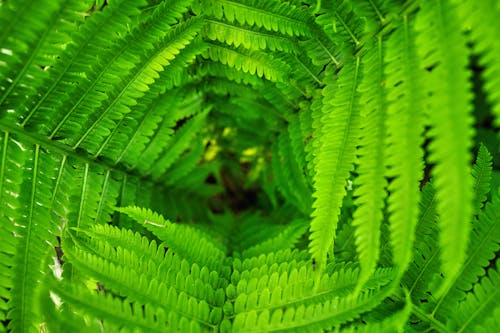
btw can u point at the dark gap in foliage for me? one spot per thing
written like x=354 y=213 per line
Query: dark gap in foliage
x=180 y=122
x=427 y=165
x=237 y=197
x=493 y=262
x=211 y=179
x=432 y=67
x=486 y=132
x=98 y=6
x=59 y=252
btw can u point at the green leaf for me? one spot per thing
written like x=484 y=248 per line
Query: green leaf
x=335 y=157
x=449 y=110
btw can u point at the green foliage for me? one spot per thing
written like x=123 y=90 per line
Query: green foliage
x=249 y=166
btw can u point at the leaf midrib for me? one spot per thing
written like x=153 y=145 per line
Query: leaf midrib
x=64 y=150
x=27 y=247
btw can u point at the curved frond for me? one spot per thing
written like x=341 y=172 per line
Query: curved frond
x=449 y=111
x=371 y=184
x=116 y=313
x=118 y=101
x=481 y=172
x=66 y=74
x=485 y=240
x=125 y=139
x=272 y=15
x=286 y=238
x=290 y=179
x=335 y=157
x=32 y=232
x=23 y=72
x=405 y=125
x=425 y=258
x=179 y=142
x=481 y=20
x=179 y=238
x=480 y=305
x=390 y=323
x=167 y=283
x=316 y=313
x=250 y=39
x=258 y=63
x=174 y=106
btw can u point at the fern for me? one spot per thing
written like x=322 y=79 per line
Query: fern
x=405 y=126
x=451 y=170
x=481 y=18
x=249 y=166
x=371 y=192
x=339 y=151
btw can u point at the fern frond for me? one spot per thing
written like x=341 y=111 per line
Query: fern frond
x=321 y=50
x=425 y=263
x=31 y=232
x=121 y=142
x=60 y=318
x=485 y=240
x=250 y=39
x=376 y=12
x=177 y=105
x=299 y=128
x=290 y=178
x=284 y=260
x=192 y=182
x=481 y=21
x=115 y=313
x=216 y=69
x=393 y=323
x=259 y=63
x=180 y=141
x=271 y=15
x=341 y=24
x=345 y=242
x=480 y=305
x=237 y=125
x=93 y=198
x=370 y=192
x=95 y=35
x=11 y=179
x=449 y=110
x=52 y=25
x=94 y=107
x=490 y=324
x=405 y=125
x=316 y=315
x=481 y=172
x=148 y=259
x=316 y=129
x=180 y=238
x=286 y=238
x=255 y=228
x=125 y=95
x=335 y=157
x=145 y=129
x=291 y=286
x=304 y=75
x=185 y=164
x=138 y=246
x=171 y=287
